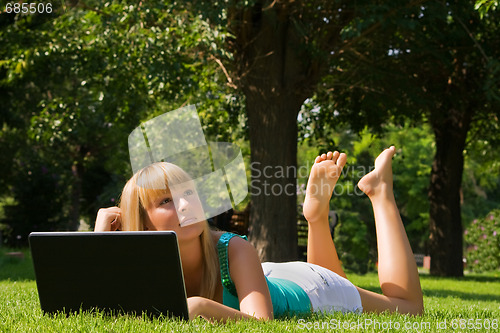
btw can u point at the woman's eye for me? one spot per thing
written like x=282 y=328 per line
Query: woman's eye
x=188 y=192
x=165 y=201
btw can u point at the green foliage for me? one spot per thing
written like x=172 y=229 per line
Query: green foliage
x=481 y=182
x=433 y=62
x=411 y=168
x=74 y=84
x=483 y=6
x=355 y=236
x=482 y=239
x=351 y=243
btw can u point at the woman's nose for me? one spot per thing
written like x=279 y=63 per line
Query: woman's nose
x=183 y=204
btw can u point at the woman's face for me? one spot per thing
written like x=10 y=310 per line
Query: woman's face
x=178 y=209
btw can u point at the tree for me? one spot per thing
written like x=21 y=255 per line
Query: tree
x=74 y=84
x=436 y=63
x=280 y=50
x=274 y=52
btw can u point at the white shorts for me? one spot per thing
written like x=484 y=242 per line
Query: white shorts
x=328 y=291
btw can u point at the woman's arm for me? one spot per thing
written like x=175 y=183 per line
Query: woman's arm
x=246 y=272
x=213 y=311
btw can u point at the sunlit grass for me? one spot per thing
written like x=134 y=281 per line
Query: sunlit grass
x=460 y=305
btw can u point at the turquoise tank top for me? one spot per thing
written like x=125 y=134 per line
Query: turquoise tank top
x=287 y=297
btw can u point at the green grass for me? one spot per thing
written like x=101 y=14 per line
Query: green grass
x=451 y=305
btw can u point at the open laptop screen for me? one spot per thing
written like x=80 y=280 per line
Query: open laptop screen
x=118 y=272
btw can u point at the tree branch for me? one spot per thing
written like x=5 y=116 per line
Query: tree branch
x=226 y=73
x=473 y=39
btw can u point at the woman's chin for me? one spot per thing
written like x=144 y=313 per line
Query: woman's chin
x=191 y=230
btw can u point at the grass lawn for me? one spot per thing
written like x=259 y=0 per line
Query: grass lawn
x=470 y=304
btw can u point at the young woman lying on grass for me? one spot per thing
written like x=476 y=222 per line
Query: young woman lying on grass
x=223 y=275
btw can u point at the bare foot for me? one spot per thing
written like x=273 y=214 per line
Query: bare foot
x=324 y=175
x=379 y=180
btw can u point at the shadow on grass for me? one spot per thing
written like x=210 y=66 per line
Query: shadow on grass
x=480 y=278
x=486 y=277
x=465 y=295
x=443 y=293
x=15 y=268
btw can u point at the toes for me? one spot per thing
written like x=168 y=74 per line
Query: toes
x=331 y=156
x=335 y=156
x=391 y=149
x=342 y=159
x=385 y=157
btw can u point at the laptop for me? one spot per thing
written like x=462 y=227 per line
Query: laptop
x=115 y=272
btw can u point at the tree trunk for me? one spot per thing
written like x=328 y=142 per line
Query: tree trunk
x=445 y=241
x=76 y=194
x=273 y=144
x=277 y=70
x=276 y=77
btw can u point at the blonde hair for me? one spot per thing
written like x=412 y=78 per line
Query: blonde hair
x=138 y=194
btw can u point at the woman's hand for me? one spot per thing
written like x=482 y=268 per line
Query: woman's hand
x=213 y=311
x=195 y=306
x=108 y=219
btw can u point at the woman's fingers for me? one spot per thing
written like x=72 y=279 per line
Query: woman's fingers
x=108 y=219
x=116 y=223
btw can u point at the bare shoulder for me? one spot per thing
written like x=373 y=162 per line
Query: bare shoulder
x=242 y=256
x=236 y=244
x=239 y=249
x=239 y=246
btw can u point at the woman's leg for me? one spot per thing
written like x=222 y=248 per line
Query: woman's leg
x=397 y=270
x=324 y=175
x=398 y=273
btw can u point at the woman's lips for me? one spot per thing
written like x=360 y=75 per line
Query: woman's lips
x=188 y=220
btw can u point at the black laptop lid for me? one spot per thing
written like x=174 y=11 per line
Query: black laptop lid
x=131 y=272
